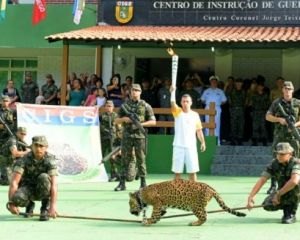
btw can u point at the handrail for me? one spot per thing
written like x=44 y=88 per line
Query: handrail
x=211 y=112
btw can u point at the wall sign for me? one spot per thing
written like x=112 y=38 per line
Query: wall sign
x=200 y=12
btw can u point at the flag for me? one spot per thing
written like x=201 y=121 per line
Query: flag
x=78 y=8
x=73 y=137
x=2 y=9
x=39 y=11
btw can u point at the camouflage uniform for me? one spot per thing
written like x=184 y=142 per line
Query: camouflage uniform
x=282 y=173
x=237 y=100
x=35 y=183
x=260 y=104
x=281 y=132
x=7 y=160
x=109 y=138
x=48 y=91
x=29 y=92
x=9 y=117
x=134 y=138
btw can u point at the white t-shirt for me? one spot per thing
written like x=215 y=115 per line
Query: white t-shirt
x=186 y=125
x=100 y=101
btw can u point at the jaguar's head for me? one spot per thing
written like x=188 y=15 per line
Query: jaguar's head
x=134 y=205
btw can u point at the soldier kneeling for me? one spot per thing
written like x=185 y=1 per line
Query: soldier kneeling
x=34 y=178
x=286 y=170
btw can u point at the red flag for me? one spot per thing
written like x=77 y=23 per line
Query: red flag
x=39 y=11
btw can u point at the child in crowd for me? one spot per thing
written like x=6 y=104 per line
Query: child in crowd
x=101 y=98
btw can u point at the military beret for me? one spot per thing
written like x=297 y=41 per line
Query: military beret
x=41 y=140
x=284 y=147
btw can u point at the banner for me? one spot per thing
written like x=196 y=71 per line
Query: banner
x=2 y=9
x=73 y=136
x=78 y=8
x=39 y=11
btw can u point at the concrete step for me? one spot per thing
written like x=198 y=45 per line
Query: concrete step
x=241 y=160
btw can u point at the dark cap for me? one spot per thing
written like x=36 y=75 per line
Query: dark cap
x=213 y=77
x=288 y=84
x=49 y=76
x=22 y=130
x=284 y=147
x=136 y=86
x=41 y=140
x=5 y=98
x=109 y=102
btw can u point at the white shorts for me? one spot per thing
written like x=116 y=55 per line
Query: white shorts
x=185 y=156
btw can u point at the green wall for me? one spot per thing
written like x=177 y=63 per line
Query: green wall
x=17 y=29
x=159 y=156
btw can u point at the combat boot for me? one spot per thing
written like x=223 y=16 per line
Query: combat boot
x=44 y=215
x=143 y=182
x=29 y=209
x=121 y=186
x=288 y=216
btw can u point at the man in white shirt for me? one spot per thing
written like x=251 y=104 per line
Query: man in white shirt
x=216 y=95
x=187 y=126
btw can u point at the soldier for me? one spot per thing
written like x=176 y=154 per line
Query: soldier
x=34 y=178
x=49 y=91
x=29 y=89
x=8 y=117
x=259 y=102
x=109 y=138
x=12 y=150
x=286 y=170
x=291 y=106
x=133 y=136
x=237 y=101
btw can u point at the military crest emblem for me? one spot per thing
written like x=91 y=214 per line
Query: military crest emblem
x=124 y=11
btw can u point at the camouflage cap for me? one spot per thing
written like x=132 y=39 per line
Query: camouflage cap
x=41 y=140
x=284 y=147
x=213 y=77
x=5 y=98
x=22 y=130
x=136 y=86
x=288 y=84
x=109 y=102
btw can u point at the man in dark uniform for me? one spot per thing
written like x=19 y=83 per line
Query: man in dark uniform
x=12 y=150
x=133 y=138
x=285 y=168
x=34 y=178
x=291 y=107
x=109 y=138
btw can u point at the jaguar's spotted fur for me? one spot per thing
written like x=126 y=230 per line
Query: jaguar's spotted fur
x=181 y=194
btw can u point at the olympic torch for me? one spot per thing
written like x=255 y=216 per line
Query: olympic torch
x=174 y=66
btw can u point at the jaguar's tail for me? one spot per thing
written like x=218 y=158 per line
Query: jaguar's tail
x=225 y=207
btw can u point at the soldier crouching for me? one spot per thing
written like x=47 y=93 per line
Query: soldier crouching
x=34 y=178
x=285 y=168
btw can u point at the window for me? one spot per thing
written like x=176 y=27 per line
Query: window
x=15 y=69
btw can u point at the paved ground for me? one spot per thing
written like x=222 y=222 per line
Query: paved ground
x=98 y=200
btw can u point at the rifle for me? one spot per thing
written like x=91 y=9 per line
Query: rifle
x=290 y=120
x=108 y=156
x=11 y=133
x=134 y=118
